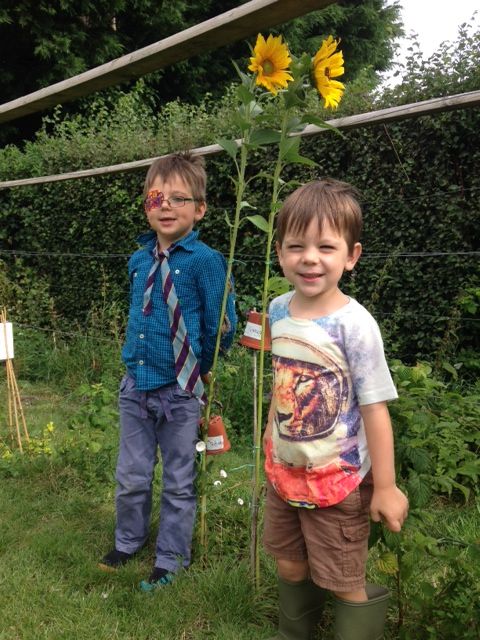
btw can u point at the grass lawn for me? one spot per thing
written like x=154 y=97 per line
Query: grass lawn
x=57 y=520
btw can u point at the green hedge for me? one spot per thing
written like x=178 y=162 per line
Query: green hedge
x=64 y=245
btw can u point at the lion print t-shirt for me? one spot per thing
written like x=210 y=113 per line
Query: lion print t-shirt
x=324 y=370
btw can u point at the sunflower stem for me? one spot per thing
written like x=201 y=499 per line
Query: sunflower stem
x=261 y=365
x=241 y=168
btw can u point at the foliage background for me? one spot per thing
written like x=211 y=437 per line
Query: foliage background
x=63 y=252
x=46 y=42
x=64 y=246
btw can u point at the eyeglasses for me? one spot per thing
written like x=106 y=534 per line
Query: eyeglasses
x=155 y=199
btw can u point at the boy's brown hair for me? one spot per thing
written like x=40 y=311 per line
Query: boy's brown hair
x=187 y=166
x=326 y=200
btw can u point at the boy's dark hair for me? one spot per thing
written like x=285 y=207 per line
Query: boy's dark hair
x=326 y=200
x=186 y=165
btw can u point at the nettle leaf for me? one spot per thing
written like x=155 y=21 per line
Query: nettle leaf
x=387 y=563
x=419 y=490
x=392 y=540
x=451 y=369
x=259 y=221
x=470 y=469
x=230 y=146
x=420 y=458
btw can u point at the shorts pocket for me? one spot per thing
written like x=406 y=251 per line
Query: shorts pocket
x=354 y=548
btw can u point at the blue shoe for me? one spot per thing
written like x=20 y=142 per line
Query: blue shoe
x=158 y=578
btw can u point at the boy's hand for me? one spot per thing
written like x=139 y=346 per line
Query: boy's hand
x=389 y=505
x=206 y=377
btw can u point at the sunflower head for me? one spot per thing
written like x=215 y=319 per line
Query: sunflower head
x=328 y=64
x=271 y=61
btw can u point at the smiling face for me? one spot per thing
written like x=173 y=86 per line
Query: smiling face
x=314 y=262
x=170 y=224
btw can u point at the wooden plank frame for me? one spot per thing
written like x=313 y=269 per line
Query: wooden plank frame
x=382 y=116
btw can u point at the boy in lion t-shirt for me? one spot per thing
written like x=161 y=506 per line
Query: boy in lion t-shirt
x=328 y=441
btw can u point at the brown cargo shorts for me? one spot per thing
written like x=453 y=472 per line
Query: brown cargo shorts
x=333 y=539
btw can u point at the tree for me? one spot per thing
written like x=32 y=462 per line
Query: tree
x=42 y=43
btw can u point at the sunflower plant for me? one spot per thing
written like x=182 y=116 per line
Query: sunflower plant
x=272 y=108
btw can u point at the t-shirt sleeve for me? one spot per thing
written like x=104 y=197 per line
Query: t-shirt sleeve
x=371 y=378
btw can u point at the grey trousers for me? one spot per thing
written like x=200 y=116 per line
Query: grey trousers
x=166 y=418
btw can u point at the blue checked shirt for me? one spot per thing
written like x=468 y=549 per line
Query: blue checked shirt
x=198 y=273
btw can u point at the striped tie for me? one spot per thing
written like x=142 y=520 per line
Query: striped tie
x=187 y=368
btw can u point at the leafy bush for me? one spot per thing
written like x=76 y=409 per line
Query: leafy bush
x=436 y=435
x=418 y=177
x=450 y=608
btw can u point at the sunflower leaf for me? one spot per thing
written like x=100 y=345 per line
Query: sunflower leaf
x=295 y=124
x=244 y=94
x=259 y=221
x=292 y=98
x=241 y=122
x=311 y=118
x=230 y=146
x=264 y=136
x=292 y=155
x=277 y=285
x=243 y=76
x=246 y=205
x=289 y=146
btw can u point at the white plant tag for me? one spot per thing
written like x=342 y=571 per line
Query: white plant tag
x=6 y=341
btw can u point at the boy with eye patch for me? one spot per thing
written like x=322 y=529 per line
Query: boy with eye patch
x=328 y=442
x=176 y=290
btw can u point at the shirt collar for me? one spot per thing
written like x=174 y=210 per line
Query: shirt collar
x=149 y=239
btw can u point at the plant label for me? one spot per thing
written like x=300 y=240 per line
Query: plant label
x=6 y=341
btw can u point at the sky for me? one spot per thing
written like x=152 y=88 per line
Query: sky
x=435 y=21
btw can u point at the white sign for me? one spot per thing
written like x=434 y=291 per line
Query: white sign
x=6 y=341
x=253 y=331
x=215 y=443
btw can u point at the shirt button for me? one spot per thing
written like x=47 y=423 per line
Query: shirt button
x=177 y=271
x=135 y=274
x=142 y=336
x=140 y=362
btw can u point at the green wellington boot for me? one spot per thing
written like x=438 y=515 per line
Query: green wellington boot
x=362 y=620
x=300 y=608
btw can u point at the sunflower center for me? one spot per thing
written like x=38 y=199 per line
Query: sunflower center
x=268 y=67
x=327 y=72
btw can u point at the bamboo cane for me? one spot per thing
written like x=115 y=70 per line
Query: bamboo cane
x=19 y=404
x=10 y=378
x=14 y=401
x=9 y=404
